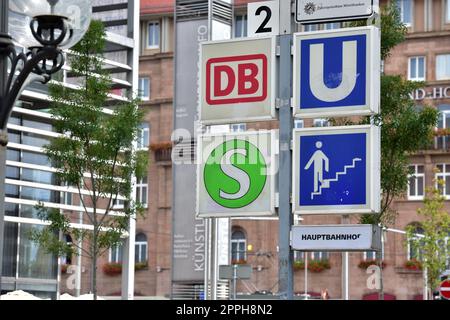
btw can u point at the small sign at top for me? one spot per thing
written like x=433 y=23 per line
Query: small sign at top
x=263 y=18
x=315 y=11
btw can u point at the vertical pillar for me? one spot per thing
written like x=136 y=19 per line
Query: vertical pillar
x=4 y=4
x=133 y=61
x=285 y=255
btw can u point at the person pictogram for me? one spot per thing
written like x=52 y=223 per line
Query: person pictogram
x=318 y=159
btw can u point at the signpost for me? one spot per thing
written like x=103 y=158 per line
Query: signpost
x=236 y=174
x=333 y=170
x=237 y=80
x=444 y=289
x=337 y=72
x=336 y=170
x=362 y=237
x=313 y=11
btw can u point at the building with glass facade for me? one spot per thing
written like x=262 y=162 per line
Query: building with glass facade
x=30 y=177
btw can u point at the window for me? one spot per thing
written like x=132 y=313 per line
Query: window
x=144 y=89
x=369 y=255
x=443 y=67
x=444 y=175
x=299 y=256
x=414 y=251
x=118 y=204
x=330 y=26
x=311 y=27
x=405 y=9
x=321 y=123
x=442 y=141
x=67 y=259
x=238 y=246
x=140 y=252
x=298 y=123
x=319 y=255
x=142 y=191
x=238 y=127
x=115 y=254
x=240 y=26
x=416 y=69
x=447 y=11
x=153 y=35
x=416 y=182
x=143 y=139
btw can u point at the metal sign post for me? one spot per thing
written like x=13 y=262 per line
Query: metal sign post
x=285 y=254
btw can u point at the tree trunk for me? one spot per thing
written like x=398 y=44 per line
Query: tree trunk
x=94 y=264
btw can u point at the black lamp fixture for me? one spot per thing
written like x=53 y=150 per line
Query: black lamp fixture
x=45 y=28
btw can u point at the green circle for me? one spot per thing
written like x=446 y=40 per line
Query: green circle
x=247 y=160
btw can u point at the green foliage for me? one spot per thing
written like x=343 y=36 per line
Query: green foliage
x=436 y=228
x=404 y=130
x=93 y=154
x=393 y=31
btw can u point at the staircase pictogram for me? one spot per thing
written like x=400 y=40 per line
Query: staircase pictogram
x=326 y=182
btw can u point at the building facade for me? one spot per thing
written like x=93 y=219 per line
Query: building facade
x=31 y=179
x=423 y=56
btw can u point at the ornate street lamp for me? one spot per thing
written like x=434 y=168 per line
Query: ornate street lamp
x=45 y=28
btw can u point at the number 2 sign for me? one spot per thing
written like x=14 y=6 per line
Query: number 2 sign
x=263 y=18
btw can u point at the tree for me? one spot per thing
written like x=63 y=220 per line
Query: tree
x=404 y=128
x=94 y=154
x=433 y=245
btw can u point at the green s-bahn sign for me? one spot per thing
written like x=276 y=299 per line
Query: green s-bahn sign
x=236 y=174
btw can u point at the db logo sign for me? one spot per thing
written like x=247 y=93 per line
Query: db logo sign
x=236 y=79
x=337 y=72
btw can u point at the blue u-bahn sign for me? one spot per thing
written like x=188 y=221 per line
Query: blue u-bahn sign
x=336 y=72
x=336 y=170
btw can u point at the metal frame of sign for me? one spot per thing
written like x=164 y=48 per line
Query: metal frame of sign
x=271 y=179
x=375 y=243
x=373 y=188
x=375 y=9
x=272 y=86
x=373 y=65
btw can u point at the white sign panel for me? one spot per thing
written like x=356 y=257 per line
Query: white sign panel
x=337 y=72
x=237 y=80
x=263 y=18
x=336 y=237
x=314 y=11
x=236 y=174
x=336 y=170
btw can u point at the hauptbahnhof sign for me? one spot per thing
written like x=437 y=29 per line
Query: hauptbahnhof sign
x=336 y=237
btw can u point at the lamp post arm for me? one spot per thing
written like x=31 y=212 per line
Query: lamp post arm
x=37 y=64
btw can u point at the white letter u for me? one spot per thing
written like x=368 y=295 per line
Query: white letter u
x=316 y=73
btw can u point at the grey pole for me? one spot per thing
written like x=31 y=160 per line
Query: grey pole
x=345 y=276
x=4 y=6
x=285 y=255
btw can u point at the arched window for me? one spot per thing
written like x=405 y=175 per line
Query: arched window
x=414 y=247
x=238 y=246
x=141 y=245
